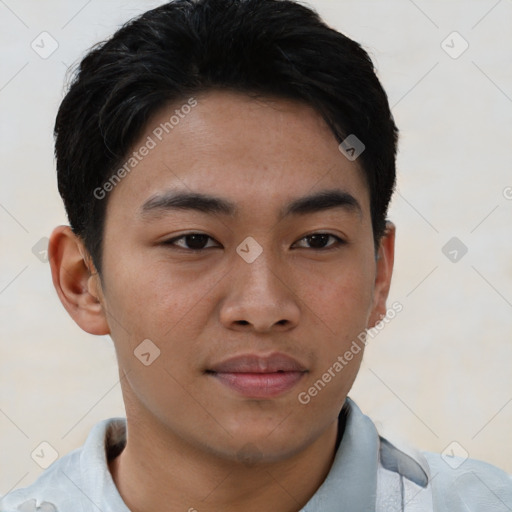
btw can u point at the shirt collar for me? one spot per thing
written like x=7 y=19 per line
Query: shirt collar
x=97 y=479
x=352 y=480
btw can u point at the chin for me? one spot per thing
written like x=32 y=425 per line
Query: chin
x=267 y=445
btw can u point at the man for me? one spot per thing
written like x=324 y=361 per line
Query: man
x=226 y=166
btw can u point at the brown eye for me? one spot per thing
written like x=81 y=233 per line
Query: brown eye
x=320 y=241
x=190 y=241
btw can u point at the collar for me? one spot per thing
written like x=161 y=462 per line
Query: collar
x=352 y=481
x=104 y=438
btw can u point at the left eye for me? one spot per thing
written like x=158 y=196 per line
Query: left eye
x=320 y=240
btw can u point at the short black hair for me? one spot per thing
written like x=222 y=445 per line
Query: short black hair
x=275 y=48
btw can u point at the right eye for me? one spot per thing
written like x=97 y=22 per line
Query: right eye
x=190 y=241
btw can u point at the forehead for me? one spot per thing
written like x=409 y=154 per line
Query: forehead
x=255 y=151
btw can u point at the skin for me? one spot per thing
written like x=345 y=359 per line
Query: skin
x=194 y=443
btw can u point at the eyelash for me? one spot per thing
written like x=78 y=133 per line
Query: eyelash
x=171 y=242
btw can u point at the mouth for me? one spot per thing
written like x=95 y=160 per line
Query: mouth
x=256 y=376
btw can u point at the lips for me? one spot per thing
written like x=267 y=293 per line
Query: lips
x=256 y=376
x=252 y=363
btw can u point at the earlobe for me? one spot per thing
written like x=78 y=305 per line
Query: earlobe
x=77 y=284
x=384 y=271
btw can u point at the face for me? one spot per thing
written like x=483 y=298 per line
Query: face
x=241 y=247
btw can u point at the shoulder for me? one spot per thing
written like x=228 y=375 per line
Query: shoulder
x=61 y=479
x=468 y=484
x=444 y=483
x=75 y=480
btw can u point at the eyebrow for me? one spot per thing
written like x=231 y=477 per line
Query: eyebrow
x=204 y=203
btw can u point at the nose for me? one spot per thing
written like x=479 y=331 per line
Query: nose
x=261 y=297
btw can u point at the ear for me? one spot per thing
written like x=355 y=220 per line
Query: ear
x=385 y=259
x=76 y=280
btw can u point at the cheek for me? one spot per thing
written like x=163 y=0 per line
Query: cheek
x=156 y=302
x=340 y=299
x=148 y=302
x=155 y=295
x=341 y=302
x=342 y=307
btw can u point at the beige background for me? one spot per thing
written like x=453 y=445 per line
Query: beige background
x=438 y=373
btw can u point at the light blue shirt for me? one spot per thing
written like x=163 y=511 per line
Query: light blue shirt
x=369 y=474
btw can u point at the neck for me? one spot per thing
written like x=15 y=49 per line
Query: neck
x=170 y=475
